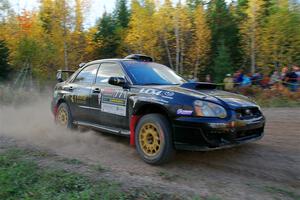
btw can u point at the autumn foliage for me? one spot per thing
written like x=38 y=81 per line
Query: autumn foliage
x=193 y=38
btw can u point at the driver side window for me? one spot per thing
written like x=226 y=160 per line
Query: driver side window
x=108 y=70
x=87 y=75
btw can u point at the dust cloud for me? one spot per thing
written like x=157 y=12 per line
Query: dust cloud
x=33 y=123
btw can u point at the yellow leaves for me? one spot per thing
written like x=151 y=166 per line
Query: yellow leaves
x=280 y=39
x=201 y=45
x=142 y=36
x=202 y=34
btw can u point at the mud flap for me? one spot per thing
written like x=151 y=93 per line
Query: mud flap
x=133 y=121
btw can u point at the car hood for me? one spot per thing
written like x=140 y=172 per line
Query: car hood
x=207 y=91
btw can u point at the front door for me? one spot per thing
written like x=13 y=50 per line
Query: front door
x=109 y=102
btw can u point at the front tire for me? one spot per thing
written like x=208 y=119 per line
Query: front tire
x=153 y=138
x=64 y=117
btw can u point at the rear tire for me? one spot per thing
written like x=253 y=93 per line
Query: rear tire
x=153 y=136
x=64 y=117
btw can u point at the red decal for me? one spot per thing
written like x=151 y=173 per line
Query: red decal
x=55 y=109
x=108 y=91
x=133 y=121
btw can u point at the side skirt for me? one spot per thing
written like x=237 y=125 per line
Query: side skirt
x=106 y=129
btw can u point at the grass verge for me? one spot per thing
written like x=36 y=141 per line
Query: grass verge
x=282 y=193
x=22 y=178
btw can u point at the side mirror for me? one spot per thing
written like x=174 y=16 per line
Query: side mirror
x=59 y=77
x=118 y=81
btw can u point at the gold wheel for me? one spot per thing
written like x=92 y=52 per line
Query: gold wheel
x=62 y=116
x=149 y=139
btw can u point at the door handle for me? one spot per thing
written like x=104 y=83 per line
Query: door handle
x=96 y=90
x=70 y=88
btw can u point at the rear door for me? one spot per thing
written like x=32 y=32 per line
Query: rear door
x=81 y=88
x=109 y=101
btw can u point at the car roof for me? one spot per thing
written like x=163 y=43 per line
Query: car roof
x=107 y=60
x=132 y=57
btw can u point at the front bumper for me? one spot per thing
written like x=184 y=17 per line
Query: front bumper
x=198 y=134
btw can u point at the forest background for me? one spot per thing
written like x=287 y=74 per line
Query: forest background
x=193 y=38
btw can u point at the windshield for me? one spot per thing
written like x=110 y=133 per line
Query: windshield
x=149 y=73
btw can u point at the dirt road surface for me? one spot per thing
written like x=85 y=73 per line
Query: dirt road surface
x=266 y=169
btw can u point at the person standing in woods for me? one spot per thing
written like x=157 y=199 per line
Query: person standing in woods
x=228 y=82
x=238 y=78
x=208 y=78
x=292 y=79
x=274 y=79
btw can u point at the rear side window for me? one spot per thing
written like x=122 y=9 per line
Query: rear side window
x=108 y=70
x=87 y=75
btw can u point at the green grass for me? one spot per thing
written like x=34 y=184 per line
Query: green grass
x=282 y=192
x=206 y=198
x=22 y=178
x=72 y=161
x=99 y=168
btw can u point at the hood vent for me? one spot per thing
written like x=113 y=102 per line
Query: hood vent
x=199 y=86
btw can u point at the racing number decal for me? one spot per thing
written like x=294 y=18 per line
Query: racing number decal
x=114 y=101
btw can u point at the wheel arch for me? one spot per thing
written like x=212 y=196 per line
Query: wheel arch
x=57 y=104
x=147 y=108
x=143 y=109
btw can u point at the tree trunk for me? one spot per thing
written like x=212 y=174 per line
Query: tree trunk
x=253 y=59
x=181 y=58
x=66 y=55
x=168 y=53
x=253 y=40
x=176 y=31
x=196 y=68
x=65 y=39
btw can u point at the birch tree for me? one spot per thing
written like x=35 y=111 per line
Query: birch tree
x=251 y=31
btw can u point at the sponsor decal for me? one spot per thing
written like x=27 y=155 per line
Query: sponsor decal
x=81 y=99
x=113 y=109
x=114 y=101
x=163 y=94
x=184 y=112
x=168 y=93
x=151 y=91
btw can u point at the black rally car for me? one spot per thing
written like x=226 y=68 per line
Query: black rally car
x=155 y=107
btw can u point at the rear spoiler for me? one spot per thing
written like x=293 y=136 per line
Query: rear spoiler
x=59 y=74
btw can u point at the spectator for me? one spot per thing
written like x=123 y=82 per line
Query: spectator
x=283 y=74
x=274 y=78
x=208 y=78
x=284 y=71
x=292 y=79
x=246 y=81
x=256 y=78
x=192 y=79
x=238 y=77
x=265 y=82
x=228 y=83
x=298 y=73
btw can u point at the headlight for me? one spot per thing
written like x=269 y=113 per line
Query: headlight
x=207 y=109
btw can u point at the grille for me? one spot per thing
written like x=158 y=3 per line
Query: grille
x=248 y=113
x=249 y=133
